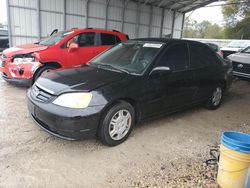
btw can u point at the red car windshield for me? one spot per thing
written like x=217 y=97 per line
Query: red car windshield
x=55 y=38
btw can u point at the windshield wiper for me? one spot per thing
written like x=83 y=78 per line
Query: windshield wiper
x=112 y=67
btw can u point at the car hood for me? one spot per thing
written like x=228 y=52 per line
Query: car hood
x=230 y=49
x=78 y=79
x=23 y=49
x=240 y=57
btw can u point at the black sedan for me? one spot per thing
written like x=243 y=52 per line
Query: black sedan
x=131 y=82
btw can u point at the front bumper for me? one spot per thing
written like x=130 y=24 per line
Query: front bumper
x=18 y=82
x=66 y=123
x=19 y=74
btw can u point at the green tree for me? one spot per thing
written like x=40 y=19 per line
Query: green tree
x=237 y=18
x=204 y=29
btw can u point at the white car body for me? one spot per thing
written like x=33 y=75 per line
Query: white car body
x=241 y=64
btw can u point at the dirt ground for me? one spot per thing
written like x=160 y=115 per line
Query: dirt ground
x=167 y=152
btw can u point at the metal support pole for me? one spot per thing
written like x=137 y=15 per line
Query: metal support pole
x=150 y=21
x=106 y=14
x=38 y=20
x=125 y=3
x=87 y=13
x=162 y=21
x=64 y=14
x=138 y=13
x=9 y=23
x=182 y=26
x=173 y=24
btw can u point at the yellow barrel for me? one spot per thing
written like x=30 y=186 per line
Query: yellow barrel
x=233 y=168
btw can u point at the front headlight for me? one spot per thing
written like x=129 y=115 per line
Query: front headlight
x=73 y=100
x=23 y=60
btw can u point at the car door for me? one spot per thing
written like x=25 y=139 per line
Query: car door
x=205 y=66
x=88 y=48
x=171 y=90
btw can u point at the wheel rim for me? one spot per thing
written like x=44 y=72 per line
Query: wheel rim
x=120 y=124
x=217 y=95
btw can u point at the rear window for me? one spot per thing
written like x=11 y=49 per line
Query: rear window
x=109 y=39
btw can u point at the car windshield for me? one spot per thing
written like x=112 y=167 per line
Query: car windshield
x=238 y=44
x=246 y=50
x=55 y=38
x=130 y=57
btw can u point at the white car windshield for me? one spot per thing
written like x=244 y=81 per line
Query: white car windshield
x=246 y=50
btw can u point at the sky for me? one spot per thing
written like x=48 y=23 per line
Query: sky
x=212 y=14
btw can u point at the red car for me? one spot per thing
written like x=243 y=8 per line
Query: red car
x=23 y=64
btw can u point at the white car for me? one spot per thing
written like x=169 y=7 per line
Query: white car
x=241 y=63
x=234 y=47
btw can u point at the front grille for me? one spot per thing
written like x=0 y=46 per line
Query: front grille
x=241 y=67
x=227 y=53
x=40 y=95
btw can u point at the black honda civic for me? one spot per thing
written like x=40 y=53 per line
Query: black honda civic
x=131 y=82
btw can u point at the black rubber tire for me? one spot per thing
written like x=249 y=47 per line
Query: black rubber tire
x=103 y=131
x=41 y=70
x=209 y=103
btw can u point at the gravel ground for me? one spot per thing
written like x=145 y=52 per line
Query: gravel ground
x=167 y=152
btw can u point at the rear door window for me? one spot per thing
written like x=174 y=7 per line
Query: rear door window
x=175 y=57
x=202 y=56
x=109 y=39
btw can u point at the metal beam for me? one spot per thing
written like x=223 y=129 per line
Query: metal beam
x=199 y=5
x=64 y=14
x=182 y=26
x=106 y=13
x=162 y=1
x=162 y=20
x=138 y=13
x=173 y=24
x=150 y=21
x=9 y=23
x=38 y=9
x=87 y=13
x=125 y=3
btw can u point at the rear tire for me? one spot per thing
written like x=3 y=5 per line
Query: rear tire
x=42 y=70
x=215 y=99
x=117 y=124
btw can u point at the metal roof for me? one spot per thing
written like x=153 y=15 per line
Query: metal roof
x=178 y=5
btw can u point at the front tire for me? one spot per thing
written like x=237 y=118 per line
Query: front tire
x=215 y=100
x=117 y=124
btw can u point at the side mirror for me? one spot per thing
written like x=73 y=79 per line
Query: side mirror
x=73 y=46
x=160 y=70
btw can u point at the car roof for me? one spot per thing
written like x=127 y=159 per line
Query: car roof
x=96 y=30
x=165 y=40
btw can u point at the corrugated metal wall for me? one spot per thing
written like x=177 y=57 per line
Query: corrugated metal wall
x=31 y=20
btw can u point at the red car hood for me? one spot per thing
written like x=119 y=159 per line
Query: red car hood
x=24 y=49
